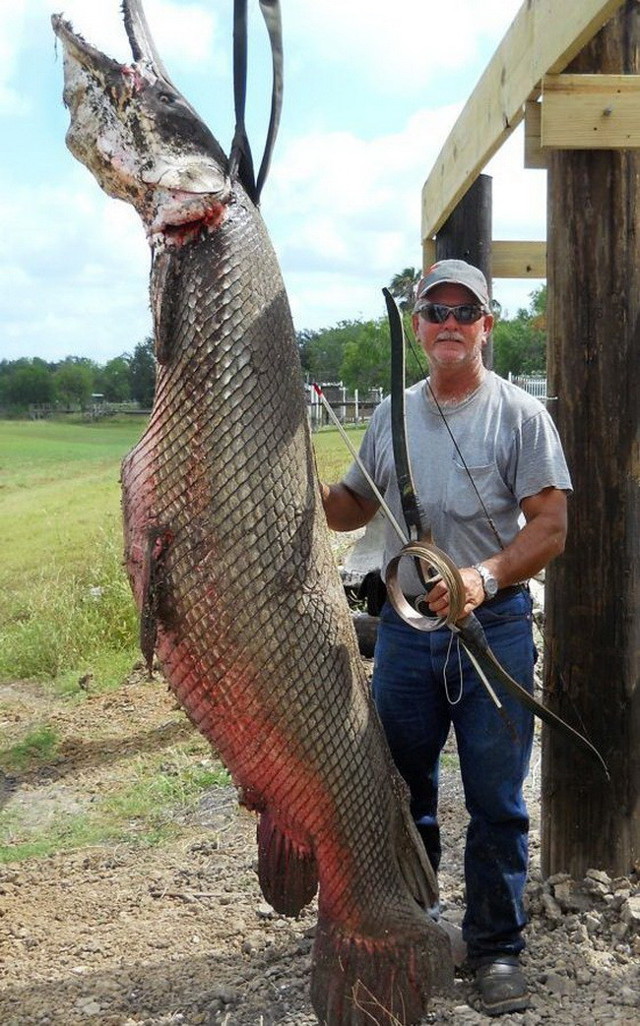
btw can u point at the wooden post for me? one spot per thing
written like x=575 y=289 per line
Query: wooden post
x=592 y=664
x=466 y=235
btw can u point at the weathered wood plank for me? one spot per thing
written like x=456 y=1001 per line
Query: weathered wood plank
x=518 y=259
x=508 y=259
x=534 y=158
x=582 y=112
x=542 y=39
x=592 y=593
x=428 y=252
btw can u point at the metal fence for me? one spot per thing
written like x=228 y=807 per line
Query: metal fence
x=534 y=384
x=356 y=407
x=350 y=408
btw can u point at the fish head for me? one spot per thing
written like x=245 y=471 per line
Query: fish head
x=139 y=137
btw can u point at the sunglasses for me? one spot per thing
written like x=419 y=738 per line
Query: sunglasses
x=437 y=313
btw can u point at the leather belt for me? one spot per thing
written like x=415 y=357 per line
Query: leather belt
x=505 y=593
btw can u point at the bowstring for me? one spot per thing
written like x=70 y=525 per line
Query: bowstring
x=458 y=450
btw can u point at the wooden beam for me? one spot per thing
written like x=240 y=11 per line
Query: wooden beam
x=534 y=158
x=519 y=259
x=428 y=253
x=586 y=112
x=592 y=651
x=542 y=39
x=508 y=259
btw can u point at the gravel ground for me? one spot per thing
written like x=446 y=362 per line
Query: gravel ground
x=179 y=934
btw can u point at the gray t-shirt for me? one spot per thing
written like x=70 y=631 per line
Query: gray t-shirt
x=510 y=445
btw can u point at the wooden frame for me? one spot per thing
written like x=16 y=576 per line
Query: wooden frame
x=543 y=38
x=533 y=154
x=508 y=259
x=518 y=259
x=586 y=112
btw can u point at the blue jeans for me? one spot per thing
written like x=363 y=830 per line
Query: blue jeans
x=421 y=685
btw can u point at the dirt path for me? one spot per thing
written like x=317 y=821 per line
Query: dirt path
x=180 y=934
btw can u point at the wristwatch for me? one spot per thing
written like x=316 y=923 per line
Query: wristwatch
x=489 y=583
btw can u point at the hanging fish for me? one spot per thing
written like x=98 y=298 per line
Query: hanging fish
x=228 y=551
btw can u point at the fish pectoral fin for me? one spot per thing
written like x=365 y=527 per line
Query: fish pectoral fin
x=286 y=870
x=154 y=591
x=163 y=290
x=416 y=869
x=414 y=864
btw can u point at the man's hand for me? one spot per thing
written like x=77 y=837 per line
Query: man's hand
x=345 y=509
x=439 y=600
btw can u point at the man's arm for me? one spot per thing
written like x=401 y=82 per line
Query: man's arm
x=540 y=540
x=345 y=509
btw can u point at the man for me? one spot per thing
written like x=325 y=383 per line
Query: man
x=492 y=482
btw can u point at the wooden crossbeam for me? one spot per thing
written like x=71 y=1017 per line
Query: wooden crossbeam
x=542 y=39
x=534 y=158
x=509 y=259
x=518 y=259
x=582 y=112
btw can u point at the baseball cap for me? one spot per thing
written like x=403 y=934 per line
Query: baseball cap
x=453 y=272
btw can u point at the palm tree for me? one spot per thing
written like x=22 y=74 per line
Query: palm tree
x=402 y=287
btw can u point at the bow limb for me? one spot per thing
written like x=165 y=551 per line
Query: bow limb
x=474 y=642
x=408 y=495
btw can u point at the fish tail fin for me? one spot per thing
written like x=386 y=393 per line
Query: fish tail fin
x=286 y=870
x=386 y=980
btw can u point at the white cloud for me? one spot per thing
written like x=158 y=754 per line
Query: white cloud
x=76 y=267
x=12 y=101
x=183 y=31
x=406 y=45
x=519 y=195
x=351 y=207
x=342 y=207
x=344 y=213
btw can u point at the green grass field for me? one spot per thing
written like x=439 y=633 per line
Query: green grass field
x=64 y=602
x=65 y=606
x=66 y=611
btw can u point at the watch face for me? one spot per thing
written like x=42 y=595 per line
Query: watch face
x=490 y=586
x=489 y=582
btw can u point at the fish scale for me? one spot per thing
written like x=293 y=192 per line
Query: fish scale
x=230 y=561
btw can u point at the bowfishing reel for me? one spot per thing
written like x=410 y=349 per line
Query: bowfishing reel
x=432 y=565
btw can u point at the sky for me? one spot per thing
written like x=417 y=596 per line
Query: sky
x=371 y=93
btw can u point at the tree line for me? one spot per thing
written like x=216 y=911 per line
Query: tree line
x=356 y=353
x=69 y=384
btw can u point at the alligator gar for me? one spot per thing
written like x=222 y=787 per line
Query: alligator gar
x=229 y=556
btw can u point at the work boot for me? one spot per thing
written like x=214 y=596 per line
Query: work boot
x=501 y=986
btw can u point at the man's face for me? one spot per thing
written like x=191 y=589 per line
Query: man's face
x=450 y=344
